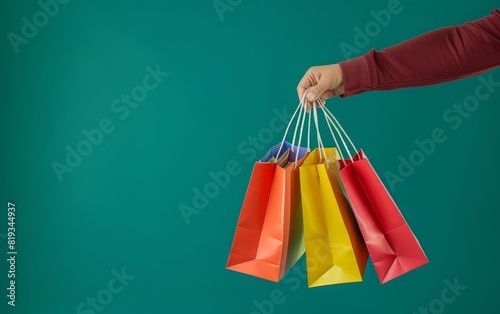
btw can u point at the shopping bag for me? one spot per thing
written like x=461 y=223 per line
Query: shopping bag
x=335 y=251
x=268 y=239
x=393 y=247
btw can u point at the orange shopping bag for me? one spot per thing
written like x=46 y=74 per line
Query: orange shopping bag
x=269 y=234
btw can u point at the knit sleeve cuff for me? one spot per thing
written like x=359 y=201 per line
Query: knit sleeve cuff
x=356 y=76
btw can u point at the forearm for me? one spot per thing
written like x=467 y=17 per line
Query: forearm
x=435 y=57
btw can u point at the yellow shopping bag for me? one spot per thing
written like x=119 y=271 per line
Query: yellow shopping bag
x=335 y=250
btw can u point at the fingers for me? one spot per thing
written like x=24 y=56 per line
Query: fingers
x=325 y=96
x=328 y=78
x=317 y=91
x=306 y=82
x=322 y=81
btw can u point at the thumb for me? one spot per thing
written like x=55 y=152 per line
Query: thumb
x=316 y=91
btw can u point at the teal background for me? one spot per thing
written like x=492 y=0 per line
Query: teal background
x=119 y=207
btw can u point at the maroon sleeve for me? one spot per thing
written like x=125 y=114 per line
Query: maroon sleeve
x=438 y=56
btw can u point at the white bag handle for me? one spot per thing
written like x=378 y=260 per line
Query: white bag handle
x=341 y=128
x=321 y=147
x=286 y=130
x=301 y=108
x=309 y=132
x=332 y=121
x=303 y=111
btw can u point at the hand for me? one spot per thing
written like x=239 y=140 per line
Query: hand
x=324 y=81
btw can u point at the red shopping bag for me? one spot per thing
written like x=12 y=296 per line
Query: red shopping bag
x=393 y=247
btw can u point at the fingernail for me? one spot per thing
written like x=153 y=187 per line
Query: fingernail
x=311 y=96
